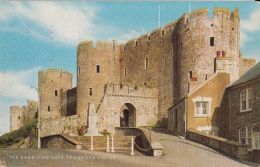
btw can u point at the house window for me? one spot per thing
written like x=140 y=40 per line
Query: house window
x=245 y=136
x=146 y=63
x=202 y=106
x=90 y=91
x=49 y=108
x=56 y=93
x=256 y=141
x=211 y=41
x=245 y=99
x=98 y=68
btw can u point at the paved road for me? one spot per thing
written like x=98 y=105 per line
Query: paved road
x=177 y=152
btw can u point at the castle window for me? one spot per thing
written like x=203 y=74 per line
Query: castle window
x=206 y=77
x=149 y=37
x=223 y=53
x=146 y=63
x=211 y=41
x=124 y=47
x=125 y=72
x=78 y=71
x=218 y=53
x=245 y=99
x=49 y=108
x=90 y=91
x=190 y=74
x=19 y=117
x=98 y=68
x=56 y=92
x=162 y=33
x=135 y=43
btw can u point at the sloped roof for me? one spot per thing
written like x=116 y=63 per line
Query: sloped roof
x=251 y=74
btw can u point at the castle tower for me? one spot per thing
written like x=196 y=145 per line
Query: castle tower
x=199 y=40
x=51 y=83
x=16 y=117
x=96 y=66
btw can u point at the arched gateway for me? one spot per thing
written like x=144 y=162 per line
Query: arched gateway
x=128 y=115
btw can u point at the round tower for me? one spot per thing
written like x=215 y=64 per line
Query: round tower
x=51 y=83
x=200 y=42
x=97 y=65
x=16 y=117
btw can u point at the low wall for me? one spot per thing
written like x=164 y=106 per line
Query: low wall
x=146 y=142
x=57 y=141
x=254 y=156
x=223 y=145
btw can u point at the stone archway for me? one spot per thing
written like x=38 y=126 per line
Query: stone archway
x=128 y=115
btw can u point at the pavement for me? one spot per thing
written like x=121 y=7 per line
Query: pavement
x=177 y=152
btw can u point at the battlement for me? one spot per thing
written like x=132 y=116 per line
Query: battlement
x=99 y=44
x=15 y=108
x=168 y=28
x=122 y=89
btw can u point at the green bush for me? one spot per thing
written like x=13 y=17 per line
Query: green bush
x=16 y=135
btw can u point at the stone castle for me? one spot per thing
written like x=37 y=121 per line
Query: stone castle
x=21 y=115
x=135 y=83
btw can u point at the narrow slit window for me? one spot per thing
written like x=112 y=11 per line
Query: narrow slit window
x=162 y=32
x=56 y=92
x=211 y=41
x=146 y=63
x=49 y=108
x=78 y=71
x=125 y=72
x=98 y=68
x=190 y=74
x=90 y=91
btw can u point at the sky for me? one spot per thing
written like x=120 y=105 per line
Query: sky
x=45 y=34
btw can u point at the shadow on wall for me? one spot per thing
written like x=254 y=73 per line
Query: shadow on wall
x=163 y=123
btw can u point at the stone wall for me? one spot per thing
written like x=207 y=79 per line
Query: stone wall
x=62 y=125
x=69 y=102
x=57 y=141
x=223 y=145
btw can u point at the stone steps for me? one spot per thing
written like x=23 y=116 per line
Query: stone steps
x=100 y=142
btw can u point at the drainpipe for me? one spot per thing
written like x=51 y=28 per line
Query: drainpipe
x=186 y=115
x=229 y=99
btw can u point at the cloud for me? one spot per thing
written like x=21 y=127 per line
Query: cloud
x=59 y=22
x=16 y=85
x=130 y=34
x=250 y=25
x=15 y=89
